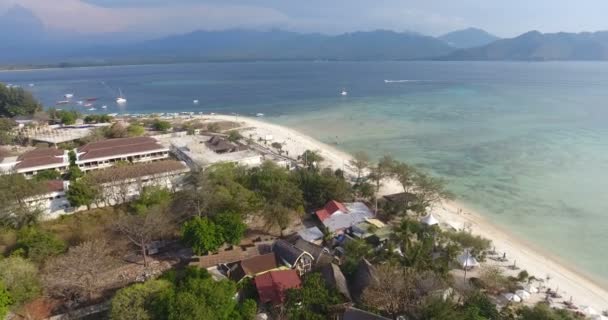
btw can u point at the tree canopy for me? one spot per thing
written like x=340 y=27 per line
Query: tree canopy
x=17 y=102
x=20 y=278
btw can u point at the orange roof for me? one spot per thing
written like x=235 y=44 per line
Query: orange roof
x=330 y=208
x=272 y=286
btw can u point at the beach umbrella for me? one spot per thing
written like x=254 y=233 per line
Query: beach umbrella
x=530 y=288
x=587 y=310
x=512 y=297
x=523 y=294
x=429 y=220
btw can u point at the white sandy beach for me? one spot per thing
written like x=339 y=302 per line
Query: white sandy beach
x=585 y=291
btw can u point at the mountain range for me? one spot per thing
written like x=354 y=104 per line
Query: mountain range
x=28 y=42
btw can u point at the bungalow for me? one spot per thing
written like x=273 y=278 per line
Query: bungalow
x=293 y=257
x=251 y=267
x=321 y=255
x=272 y=286
x=338 y=217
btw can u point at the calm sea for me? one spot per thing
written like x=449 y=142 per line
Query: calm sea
x=526 y=144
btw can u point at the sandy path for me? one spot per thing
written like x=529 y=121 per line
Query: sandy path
x=570 y=283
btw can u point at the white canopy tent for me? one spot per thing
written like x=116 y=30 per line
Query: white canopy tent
x=429 y=220
x=523 y=294
x=467 y=261
x=511 y=297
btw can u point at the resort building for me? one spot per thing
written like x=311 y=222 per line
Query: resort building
x=106 y=153
x=203 y=151
x=53 y=201
x=34 y=161
x=293 y=257
x=272 y=286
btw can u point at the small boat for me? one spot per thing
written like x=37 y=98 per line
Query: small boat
x=92 y=109
x=62 y=102
x=80 y=102
x=90 y=99
x=121 y=99
x=104 y=107
x=31 y=85
x=113 y=114
x=69 y=95
x=259 y=115
x=88 y=105
x=344 y=93
x=195 y=101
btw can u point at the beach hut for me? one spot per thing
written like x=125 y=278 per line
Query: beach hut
x=511 y=297
x=429 y=220
x=523 y=294
x=467 y=261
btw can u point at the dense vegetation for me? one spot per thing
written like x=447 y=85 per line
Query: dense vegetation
x=17 y=102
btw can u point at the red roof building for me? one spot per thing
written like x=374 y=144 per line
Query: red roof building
x=330 y=208
x=272 y=286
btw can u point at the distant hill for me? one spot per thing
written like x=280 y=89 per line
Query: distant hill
x=468 y=38
x=20 y=28
x=283 y=45
x=536 y=46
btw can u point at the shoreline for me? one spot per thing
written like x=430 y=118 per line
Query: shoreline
x=585 y=290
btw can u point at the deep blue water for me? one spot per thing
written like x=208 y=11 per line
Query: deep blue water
x=526 y=144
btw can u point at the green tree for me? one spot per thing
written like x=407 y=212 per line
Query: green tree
x=82 y=192
x=135 y=130
x=46 y=175
x=202 y=235
x=136 y=302
x=355 y=251
x=234 y=136
x=204 y=299
x=312 y=300
x=429 y=190
x=311 y=159
x=68 y=117
x=483 y=304
x=276 y=215
x=150 y=197
x=360 y=162
x=38 y=244
x=5 y=300
x=15 y=207
x=117 y=130
x=160 y=125
x=319 y=187
x=17 y=102
x=20 y=278
x=230 y=226
x=542 y=311
x=275 y=185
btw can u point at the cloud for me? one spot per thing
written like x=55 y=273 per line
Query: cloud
x=84 y=18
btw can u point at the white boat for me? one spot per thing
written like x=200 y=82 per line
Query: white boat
x=113 y=114
x=121 y=99
x=80 y=102
x=69 y=95
x=344 y=93
x=104 y=107
x=195 y=101
x=31 y=85
x=88 y=105
x=259 y=115
x=92 y=109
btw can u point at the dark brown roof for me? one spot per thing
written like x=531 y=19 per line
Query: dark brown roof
x=219 y=144
x=236 y=254
x=400 y=197
x=364 y=276
x=335 y=278
x=253 y=266
x=40 y=157
x=116 y=147
x=287 y=251
x=133 y=171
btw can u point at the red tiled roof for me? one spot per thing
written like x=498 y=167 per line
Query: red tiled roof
x=272 y=286
x=330 y=208
x=40 y=157
x=115 y=147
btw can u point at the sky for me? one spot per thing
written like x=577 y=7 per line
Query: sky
x=152 y=18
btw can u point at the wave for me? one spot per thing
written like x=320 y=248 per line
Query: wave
x=399 y=81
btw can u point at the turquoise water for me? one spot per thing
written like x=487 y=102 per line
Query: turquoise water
x=526 y=144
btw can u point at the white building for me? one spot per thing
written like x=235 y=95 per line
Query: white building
x=106 y=153
x=204 y=151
